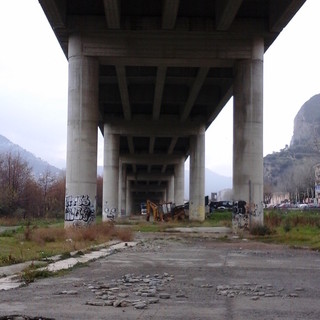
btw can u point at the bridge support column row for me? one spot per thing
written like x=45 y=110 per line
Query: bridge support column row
x=82 y=145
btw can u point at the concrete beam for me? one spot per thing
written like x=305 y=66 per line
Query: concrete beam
x=195 y=62
x=112 y=12
x=164 y=127
x=161 y=77
x=281 y=12
x=172 y=145
x=169 y=13
x=149 y=177
x=223 y=101
x=123 y=88
x=226 y=11
x=148 y=189
x=55 y=12
x=130 y=144
x=152 y=46
x=197 y=85
x=154 y=159
x=151 y=144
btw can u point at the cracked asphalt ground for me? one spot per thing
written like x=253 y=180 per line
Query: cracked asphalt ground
x=199 y=277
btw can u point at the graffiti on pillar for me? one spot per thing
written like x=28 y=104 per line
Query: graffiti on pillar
x=255 y=210
x=240 y=216
x=79 y=208
x=109 y=213
x=243 y=212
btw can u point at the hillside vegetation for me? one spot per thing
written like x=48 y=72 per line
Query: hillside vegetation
x=292 y=169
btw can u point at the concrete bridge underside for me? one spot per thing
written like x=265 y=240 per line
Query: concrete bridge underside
x=153 y=75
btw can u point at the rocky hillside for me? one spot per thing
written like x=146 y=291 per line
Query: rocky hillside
x=293 y=165
x=306 y=134
x=38 y=165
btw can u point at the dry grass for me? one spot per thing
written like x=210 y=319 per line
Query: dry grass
x=9 y=221
x=45 y=235
x=102 y=232
x=34 y=242
x=124 y=234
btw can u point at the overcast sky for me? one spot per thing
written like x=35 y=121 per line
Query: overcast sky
x=34 y=84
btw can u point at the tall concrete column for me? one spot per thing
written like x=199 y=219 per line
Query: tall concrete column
x=170 y=192
x=110 y=175
x=179 y=183
x=128 y=198
x=197 y=172
x=82 y=136
x=123 y=186
x=248 y=132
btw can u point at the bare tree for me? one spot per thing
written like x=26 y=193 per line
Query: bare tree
x=46 y=180
x=14 y=176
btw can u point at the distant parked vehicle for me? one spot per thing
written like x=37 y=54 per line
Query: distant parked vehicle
x=286 y=205
x=143 y=207
x=303 y=206
x=221 y=205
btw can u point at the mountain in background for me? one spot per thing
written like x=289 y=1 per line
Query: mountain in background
x=294 y=164
x=37 y=165
x=306 y=133
x=213 y=183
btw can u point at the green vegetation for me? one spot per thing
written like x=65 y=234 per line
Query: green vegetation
x=220 y=218
x=39 y=240
x=296 y=229
x=32 y=242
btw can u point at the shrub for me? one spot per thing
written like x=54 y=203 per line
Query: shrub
x=287 y=226
x=44 y=235
x=124 y=234
x=273 y=220
x=260 y=230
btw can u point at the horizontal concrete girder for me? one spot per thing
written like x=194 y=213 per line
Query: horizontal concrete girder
x=148 y=189
x=144 y=127
x=153 y=159
x=149 y=177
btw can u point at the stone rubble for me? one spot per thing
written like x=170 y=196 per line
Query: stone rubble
x=132 y=290
x=254 y=291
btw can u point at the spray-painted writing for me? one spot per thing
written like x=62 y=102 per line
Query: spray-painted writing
x=240 y=216
x=79 y=208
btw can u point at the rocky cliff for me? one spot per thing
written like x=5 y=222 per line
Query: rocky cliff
x=307 y=126
x=293 y=166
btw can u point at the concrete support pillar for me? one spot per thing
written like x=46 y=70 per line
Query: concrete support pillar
x=123 y=186
x=197 y=172
x=110 y=175
x=128 y=198
x=82 y=136
x=170 y=192
x=248 y=132
x=179 y=183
